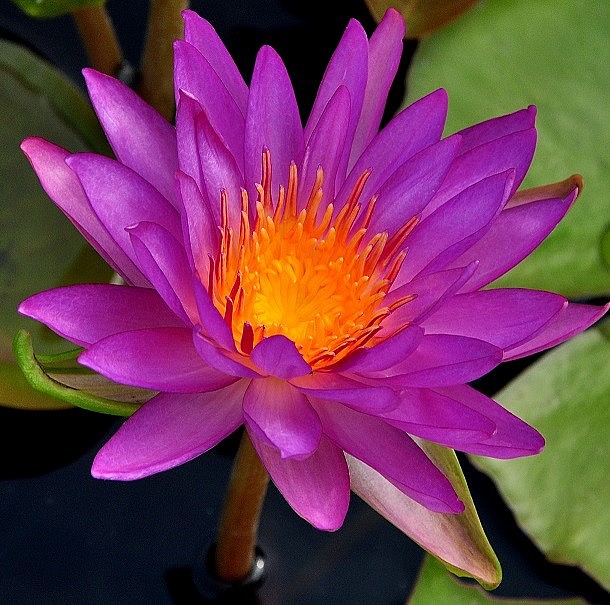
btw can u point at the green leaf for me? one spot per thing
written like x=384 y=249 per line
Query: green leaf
x=506 y=54
x=62 y=377
x=53 y=8
x=458 y=541
x=561 y=497
x=435 y=585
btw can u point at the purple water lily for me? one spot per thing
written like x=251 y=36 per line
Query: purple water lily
x=321 y=285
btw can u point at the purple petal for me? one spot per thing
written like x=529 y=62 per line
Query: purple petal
x=278 y=356
x=212 y=323
x=165 y=263
x=385 y=49
x=503 y=317
x=317 y=488
x=140 y=137
x=513 y=438
x=186 y=140
x=272 y=122
x=64 y=188
x=85 y=314
x=223 y=360
x=282 y=417
x=571 y=320
x=203 y=37
x=170 y=430
x=194 y=75
x=161 y=359
x=390 y=452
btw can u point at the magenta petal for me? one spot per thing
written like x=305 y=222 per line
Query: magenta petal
x=64 y=188
x=212 y=323
x=203 y=37
x=436 y=417
x=278 y=356
x=571 y=320
x=513 y=438
x=350 y=392
x=272 y=122
x=223 y=360
x=390 y=452
x=140 y=137
x=503 y=317
x=282 y=417
x=161 y=359
x=85 y=314
x=165 y=263
x=317 y=488
x=170 y=430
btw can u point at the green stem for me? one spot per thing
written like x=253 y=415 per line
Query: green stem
x=238 y=530
x=99 y=38
x=156 y=78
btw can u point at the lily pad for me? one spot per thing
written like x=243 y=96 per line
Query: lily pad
x=560 y=497
x=435 y=585
x=505 y=55
x=53 y=8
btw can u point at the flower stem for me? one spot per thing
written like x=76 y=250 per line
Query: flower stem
x=156 y=78
x=238 y=528
x=99 y=38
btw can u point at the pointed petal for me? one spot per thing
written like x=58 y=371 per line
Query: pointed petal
x=170 y=430
x=228 y=362
x=278 y=356
x=212 y=323
x=87 y=313
x=317 y=488
x=160 y=359
x=282 y=417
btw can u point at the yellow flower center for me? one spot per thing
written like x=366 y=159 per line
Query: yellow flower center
x=311 y=278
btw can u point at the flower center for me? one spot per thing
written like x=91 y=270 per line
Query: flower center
x=305 y=274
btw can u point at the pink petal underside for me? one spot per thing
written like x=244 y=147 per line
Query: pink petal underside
x=165 y=263
x=332 y=386
x=513 y=438
x=140 y=137
x=386 y=353
x=199 y=227
x=161 y=359
x=571 y=320
x=122 y=198
x=282 y=417
x=272 y=122
x=385 y=49
x=317 y=488
x=347 y=67
x=87 y=313
x=456 y=226
x=409 y=189
x=441 y=360
x=194 y=75
x=514 y=150
x=227 y=361
x=278 y=356
x=504 y=317
x=435 y=417
x=324 y=149
x=413 y=129
x=169 y=430
x=203 y=37
x=391 y=452
x=513 y=235
x=63 y=187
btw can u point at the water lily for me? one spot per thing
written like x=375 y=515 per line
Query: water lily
x=321 y=285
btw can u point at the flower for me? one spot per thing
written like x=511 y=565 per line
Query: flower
x=321 y=285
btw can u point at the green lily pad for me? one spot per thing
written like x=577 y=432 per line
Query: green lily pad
x=435 y=585
x=53 y=8
x=506 y=54
x=560 y=498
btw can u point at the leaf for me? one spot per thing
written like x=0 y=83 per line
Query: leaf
x=423 y=17
x=561 y=497
x=62 y=377
x=503 y=56
x=435 y=585
x=458 y=541
x=53 y=8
